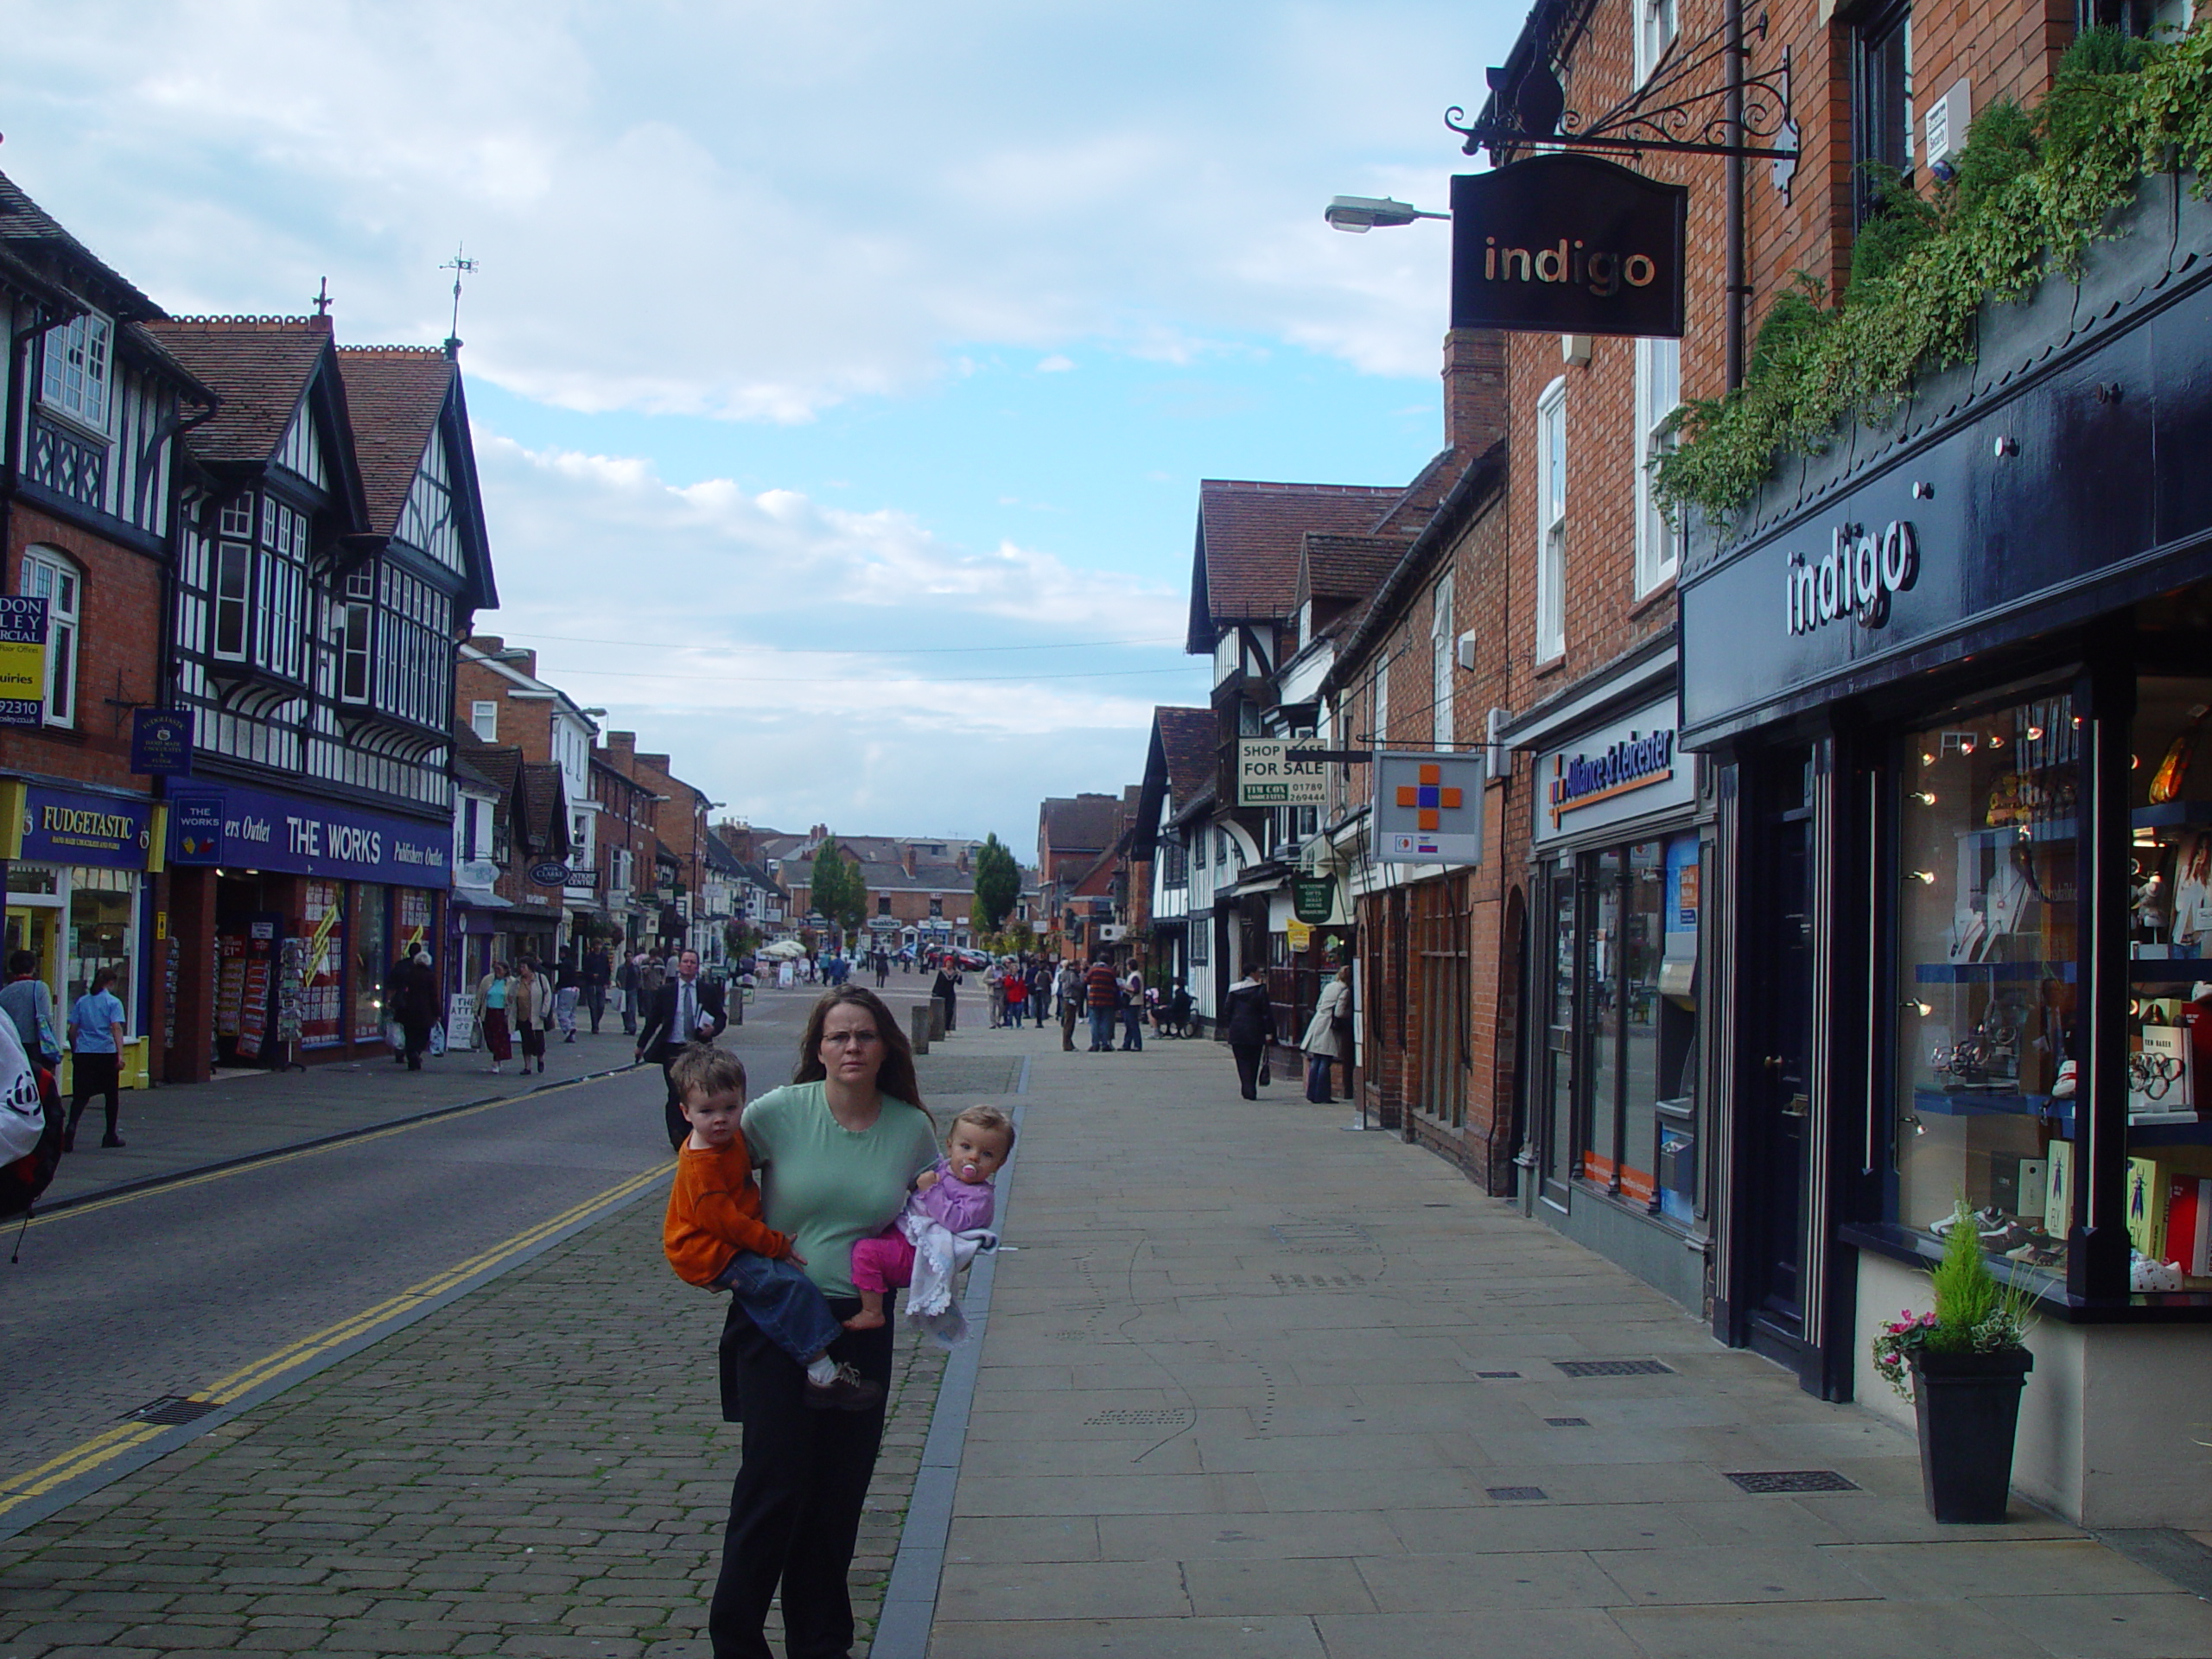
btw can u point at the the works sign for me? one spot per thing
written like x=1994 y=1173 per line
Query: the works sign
x=1567 y=244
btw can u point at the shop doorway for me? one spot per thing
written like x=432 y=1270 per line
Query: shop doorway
x=1778 y=1056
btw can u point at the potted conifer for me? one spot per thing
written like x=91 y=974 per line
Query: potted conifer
x=1962 y=1366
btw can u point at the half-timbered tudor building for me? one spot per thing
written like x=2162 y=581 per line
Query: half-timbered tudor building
x=331 y=551
x=94 y=406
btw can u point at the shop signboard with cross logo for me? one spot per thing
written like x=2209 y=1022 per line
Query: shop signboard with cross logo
x=1428 y=808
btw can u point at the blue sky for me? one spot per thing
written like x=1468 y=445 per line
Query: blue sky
x=843 y=373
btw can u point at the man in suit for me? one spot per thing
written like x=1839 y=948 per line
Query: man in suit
x=685 y=1009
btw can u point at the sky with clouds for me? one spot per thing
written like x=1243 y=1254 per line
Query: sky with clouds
x=843 y=372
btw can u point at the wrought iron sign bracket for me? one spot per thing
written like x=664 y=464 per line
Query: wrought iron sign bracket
x=1682 y=111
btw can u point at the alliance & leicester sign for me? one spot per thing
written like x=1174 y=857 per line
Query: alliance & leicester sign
x=1568 y=244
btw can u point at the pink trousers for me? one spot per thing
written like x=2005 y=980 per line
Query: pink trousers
x=884 y=1262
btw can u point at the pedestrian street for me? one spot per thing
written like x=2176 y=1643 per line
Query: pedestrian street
x=1251 y=1382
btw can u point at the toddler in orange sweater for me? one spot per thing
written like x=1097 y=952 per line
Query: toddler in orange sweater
x=715 y=1237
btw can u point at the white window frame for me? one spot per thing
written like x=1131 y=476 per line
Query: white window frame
x=484 y=719
x=1658 y=394
x=55 y=578
x=1657 y=23
x=1551 y=522
x=80 y=370
x=1441 y=644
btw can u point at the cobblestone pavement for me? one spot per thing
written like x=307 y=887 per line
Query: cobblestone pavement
x=538 y=1470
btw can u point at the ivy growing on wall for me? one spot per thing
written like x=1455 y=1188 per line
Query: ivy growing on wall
x=2032 y=190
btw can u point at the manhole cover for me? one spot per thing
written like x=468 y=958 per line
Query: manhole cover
x=1323 y=1238
x=1613 y=1368
x=1568 y=1422
x=1316 y=1280
x=1515 y=1494
x=171 y=1409
x=1121 y=1418
x=1794 y=1480
x=1499 y=1376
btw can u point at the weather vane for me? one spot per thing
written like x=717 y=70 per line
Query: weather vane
x=461 y=267
x=322 y=298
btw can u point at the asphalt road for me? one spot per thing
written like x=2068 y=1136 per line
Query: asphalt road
x=168 y=1292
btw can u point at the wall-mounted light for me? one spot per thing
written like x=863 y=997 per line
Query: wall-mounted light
x=2035 y=733
x=1925 y=797
x=1360 y=214
x=1921 y=1008
x=1926 y=759
x=1925 y=877
x=2007 y=447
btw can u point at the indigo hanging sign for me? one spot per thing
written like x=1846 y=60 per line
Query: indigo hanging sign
x=1568 y=244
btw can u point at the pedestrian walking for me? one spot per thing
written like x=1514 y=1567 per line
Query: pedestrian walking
x=417 y=990
x=652 y=975
x=95 y=1039
x=838 y=1149
x=944 y=988
x=26 y=1000
x=568 y=990
x=1040 y=991
x=1101 y=990
x=994 y=983
x=1014 y=988
x=1131 y=1000
x=1321 y=1042
x=531 y=1002
x=626 y=979
x=1068 y=986
x=1245 y=1020
x=687 y=1010
x=491 y=1014
x=598 y=970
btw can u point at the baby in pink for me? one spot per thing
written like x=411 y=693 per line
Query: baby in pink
x=955 y=1195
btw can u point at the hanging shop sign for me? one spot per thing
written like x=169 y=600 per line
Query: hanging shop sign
x=258 y=829
x=1266 y=776
x=161 y=741
x=550 y=873
x=1428 y=808
x=1313 y=898
x=1628 y=770
x=1568 y=244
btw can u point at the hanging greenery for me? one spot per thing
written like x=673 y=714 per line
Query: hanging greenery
x=2032 y=190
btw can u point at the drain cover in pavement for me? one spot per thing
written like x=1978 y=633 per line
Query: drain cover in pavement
x=1119 y=1418
x=171 y=1409
x=1568 y=1422
x=1794 y=1480
x=1499 y=1376
x=1613 y=1368
x=1324 y=1238
x=1515 y=1494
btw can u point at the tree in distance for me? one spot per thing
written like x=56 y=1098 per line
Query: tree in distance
x=998 y=882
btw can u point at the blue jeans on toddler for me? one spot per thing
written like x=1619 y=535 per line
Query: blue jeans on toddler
x=783 y=1301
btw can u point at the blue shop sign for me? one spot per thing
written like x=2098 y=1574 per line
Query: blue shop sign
x=65 y=826
x=252 y=828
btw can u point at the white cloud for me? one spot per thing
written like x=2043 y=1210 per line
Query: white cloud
x=1056 y=364
x=756 y=210
x=812 y=658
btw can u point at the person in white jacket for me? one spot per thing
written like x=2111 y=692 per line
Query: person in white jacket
x=1320 y=1043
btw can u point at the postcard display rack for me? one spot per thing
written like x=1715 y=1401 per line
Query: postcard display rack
x=1988 y=968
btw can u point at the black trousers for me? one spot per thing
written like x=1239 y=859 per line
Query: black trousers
x=679 y=1127
x=596 y=1000
x=795 y=1507
x=96 y=1074
x=1249 y=1056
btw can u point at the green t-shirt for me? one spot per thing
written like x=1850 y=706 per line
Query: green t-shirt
x=827 y=1186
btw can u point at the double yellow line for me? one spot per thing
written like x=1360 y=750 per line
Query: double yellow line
x=126 y=1437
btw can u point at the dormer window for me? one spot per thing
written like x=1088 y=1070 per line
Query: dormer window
x=79 y=357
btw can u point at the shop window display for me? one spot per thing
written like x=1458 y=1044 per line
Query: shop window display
x=2169 y=1190
x=1988 y=970
x=101 y=903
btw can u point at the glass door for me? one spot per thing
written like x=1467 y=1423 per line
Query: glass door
x=1555 y=1068
x=1778 y=1088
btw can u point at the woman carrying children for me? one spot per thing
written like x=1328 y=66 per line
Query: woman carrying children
x=837 y=1152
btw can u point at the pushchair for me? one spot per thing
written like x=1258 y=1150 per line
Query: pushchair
x=1173 y=1017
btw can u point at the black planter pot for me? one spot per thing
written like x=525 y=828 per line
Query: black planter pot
x=1968 y=1406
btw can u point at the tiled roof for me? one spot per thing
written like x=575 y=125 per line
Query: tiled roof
x=499 y=763
x=395 y=394
x=1188 y=738
x=1248 y=535
x=720 y=859
x=544 y=811
x=29 y=230
x=1084 y=824
x=1337 y=568
x=260 y=367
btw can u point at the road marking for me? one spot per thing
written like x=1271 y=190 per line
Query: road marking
x=127 y=1437
x=95 y=1205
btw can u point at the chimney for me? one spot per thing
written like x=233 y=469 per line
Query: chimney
x=490 y=644
x=906 y=858
x=1474 y=390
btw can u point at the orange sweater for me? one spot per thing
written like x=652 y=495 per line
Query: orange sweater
x=713 y=1212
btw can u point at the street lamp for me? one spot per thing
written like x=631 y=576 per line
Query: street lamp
x=1360 y=214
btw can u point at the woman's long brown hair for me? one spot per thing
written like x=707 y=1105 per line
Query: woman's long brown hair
x=894 y=1077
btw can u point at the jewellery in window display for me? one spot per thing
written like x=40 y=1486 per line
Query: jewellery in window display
x=2152 y=1075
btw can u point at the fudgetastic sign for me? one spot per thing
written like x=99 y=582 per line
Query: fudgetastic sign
x=1567 y=244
